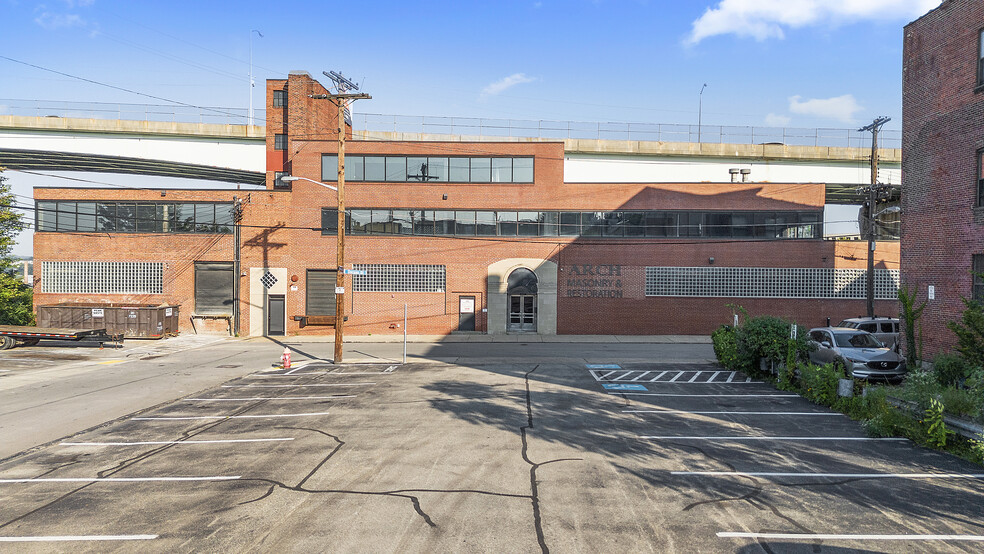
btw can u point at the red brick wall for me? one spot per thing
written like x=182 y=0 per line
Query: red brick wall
x=943 y=127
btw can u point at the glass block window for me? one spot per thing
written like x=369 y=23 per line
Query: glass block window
x=102 y=277
x=399 y=278
x=768 y=282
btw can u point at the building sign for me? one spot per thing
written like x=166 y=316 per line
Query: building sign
x=98 y=312
x=467 y=306
x=595 y=281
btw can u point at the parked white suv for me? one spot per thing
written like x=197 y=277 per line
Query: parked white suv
x=885 y=329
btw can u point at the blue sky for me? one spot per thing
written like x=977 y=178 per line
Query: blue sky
x=804 y=63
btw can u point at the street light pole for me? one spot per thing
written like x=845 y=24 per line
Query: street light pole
x=249 y=120
x=700 y=110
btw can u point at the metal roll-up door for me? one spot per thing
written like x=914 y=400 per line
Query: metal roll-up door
x=321 y=291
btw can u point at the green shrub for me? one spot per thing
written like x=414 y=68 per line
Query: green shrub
x=964 y=403
x=920 y=386
x=951 y=370
x=768 y=337
x=936 y=430
x=970 y=333
x=725 y=343
x=819 y=383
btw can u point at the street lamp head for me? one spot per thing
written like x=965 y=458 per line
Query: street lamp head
x=292 y=178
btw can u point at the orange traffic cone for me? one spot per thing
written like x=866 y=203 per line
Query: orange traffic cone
x=285 y=358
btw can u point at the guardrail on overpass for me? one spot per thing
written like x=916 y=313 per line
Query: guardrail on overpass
x=470 y=126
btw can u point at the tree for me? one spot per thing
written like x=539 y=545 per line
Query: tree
x=16 y=298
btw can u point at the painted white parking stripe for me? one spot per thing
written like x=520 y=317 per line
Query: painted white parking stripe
x=733 y=413
x=144 y=443
x=694 y=378
x=292 y=386
x=390 y=369
x=641 y=375
x=118 y=479
x=732 y=439
x=708 y=395
x=252 y=398
x=835 y=537
x=227 y=417
x=748 y=379
x=658 y=377
x=677 y=376
x=599 y=378
x=622 y=376
x=836 y=475
x=80 y=538
x=713 y=377
x=730 y=377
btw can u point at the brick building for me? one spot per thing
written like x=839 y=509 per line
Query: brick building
x=482 y=236
x=943 y=163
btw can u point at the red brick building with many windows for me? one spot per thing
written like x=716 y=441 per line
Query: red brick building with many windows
x=943 y=163
x=472 y=236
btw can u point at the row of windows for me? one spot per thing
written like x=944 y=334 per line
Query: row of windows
x=769 y=282
x=443 y=169
x=615 y=224
x=126 y=217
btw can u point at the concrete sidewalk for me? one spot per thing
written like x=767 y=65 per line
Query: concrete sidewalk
x=482 y=338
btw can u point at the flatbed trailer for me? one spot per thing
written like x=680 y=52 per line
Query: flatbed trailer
x=11 y=335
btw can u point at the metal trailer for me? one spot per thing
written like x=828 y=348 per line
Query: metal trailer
x=11 y=335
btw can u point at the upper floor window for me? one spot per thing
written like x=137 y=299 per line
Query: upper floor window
x=980 y=178
x=978 y=267
x=280 y=142
x=278 y=180
x=980 y=58
x=130 y=217
x=280 y=99
x=436 y=169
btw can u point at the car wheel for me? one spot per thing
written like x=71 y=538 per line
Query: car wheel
x=7 y=343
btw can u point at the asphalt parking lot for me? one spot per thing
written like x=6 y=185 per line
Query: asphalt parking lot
x=618 y=456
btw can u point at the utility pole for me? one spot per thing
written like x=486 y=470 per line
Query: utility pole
x=341 y=100
x=875 y=126
x=237 y=218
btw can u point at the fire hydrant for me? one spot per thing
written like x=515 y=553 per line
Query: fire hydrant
x=285 y=358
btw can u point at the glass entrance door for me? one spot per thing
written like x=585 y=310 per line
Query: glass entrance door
x=522 y=312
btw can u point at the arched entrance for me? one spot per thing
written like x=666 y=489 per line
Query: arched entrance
x=521 y=301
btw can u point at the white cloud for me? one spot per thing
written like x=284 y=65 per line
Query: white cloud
x=776 y=120
x=51 y=21
x=764 y=19
x=841 y=108
x=506 y=83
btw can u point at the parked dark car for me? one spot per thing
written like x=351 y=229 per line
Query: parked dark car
x=861 y=354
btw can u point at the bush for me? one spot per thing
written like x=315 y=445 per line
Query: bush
x=726 y=347
x=819 y=383
x=768 y=337
x=970 y=333
x=951 y=370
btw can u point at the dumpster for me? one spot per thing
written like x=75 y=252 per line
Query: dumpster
x=131 y=321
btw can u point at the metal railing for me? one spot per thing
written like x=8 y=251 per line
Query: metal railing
x=473 y=127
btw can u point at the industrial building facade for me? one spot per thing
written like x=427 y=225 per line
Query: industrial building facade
x=468 y=236
x=943 y=163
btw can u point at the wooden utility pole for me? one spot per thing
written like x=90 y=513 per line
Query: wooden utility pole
x=340 y=100
x=872 y=199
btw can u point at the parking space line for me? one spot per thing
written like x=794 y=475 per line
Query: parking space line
x=677 y=376
x=708 y=395
x=731 y=377
x=694 y=378
x=292 y=386
x=713 y=377
x=145 y=443
x=622 y=376
x=118 y=479
x=252 y=398
x=658 y=377
x=80 y=538
x=184 y=418
x=752 y=438
x=641 y=375
x=834 y=475
x=836 y=414
x=836 y=537
x=599 y=378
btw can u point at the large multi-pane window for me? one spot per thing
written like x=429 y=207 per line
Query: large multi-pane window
x=769 y=282
x=133 y=217
x=280 y=99
x=102 y=277
x=635 y=224
x=279 y=142
x=439 y=169
x=978 y=279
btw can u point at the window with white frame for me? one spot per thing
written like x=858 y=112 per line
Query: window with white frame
x=102 y=277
